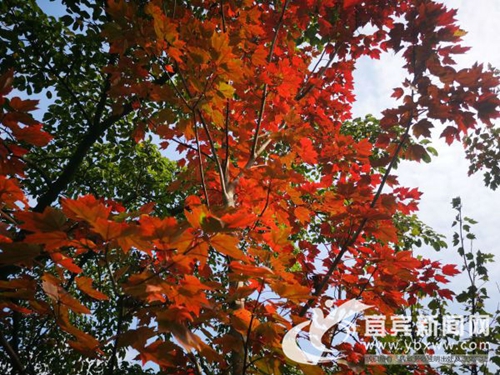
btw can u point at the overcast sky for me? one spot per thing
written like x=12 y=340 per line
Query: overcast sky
x=446 y=176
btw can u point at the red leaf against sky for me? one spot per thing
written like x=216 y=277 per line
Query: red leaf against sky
x=85 y=285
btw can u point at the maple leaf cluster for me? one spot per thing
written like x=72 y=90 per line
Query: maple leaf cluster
x=287 y=207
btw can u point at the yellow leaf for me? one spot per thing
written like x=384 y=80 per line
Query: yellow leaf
x=226 y=90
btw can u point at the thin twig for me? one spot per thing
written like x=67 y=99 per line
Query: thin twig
x=183 y=144
x=113 y=360
x=63 y=82
x=266 y=205
x=155 y=125
x=14 y=358
x=223 y=16
x=302 y=93
x=216 y=157
x=350 y=241
x=37 y=168
x=207 y=132
x=197 y=365
x=264 y=90
x=226 y=159
x=200 y=161
x=179 y=94
x=249 y=330
x=8 y=217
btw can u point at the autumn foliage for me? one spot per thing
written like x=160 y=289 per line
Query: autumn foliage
x=285 y=206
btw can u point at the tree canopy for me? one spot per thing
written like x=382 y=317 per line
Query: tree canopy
x=279 y=202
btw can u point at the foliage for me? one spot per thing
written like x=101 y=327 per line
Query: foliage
x=483 y=151
x=468 y=303
x=475 y=264
x=277 y=202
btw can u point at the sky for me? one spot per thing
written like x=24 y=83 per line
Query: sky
x=446 y=176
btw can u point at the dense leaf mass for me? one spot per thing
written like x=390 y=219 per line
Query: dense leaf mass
x=279 y=198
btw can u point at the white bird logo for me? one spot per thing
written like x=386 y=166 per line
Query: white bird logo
x=319 y=326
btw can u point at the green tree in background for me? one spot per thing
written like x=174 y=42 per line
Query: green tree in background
x=93 y=153
x=279 y=201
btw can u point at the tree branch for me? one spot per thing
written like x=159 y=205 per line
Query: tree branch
x=200 y=161
x=227 y=199
x=14 y=358
x=196 y=363
x=35 y=166
x=113 y=360
x=53 y=71
x=97 y=128
x=352 y=239
x=207 y=132
x=101 y=105
x=94 y=132
x=179 y=94
x=302 y=93
x=183 y=144
x=226 y=159
x=249 y=330
x=264 y=90
x=223 y=16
